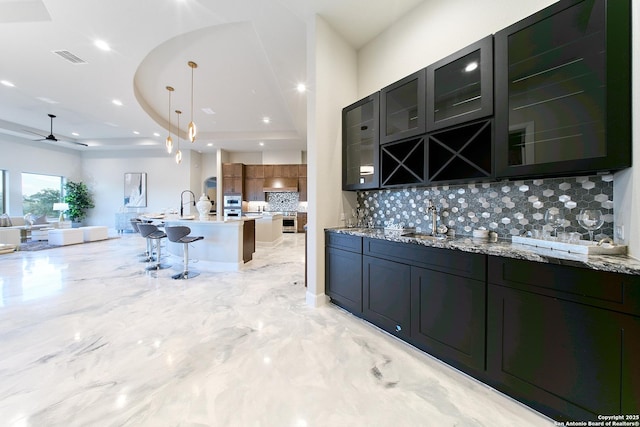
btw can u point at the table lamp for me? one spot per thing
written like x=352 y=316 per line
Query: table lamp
x=61 y=207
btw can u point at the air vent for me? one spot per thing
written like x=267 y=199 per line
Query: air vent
x=65 y=54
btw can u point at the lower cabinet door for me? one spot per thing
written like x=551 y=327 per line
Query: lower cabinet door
x=343 y=277
x=387 y=295
x=568 y=360
x=448 y=317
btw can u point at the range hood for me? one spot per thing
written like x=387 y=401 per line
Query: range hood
x=280 y=185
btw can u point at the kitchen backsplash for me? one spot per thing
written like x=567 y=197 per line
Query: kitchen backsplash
x=285 y=202
x=508 y=208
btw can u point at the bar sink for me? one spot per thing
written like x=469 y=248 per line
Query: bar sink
x=421 y=236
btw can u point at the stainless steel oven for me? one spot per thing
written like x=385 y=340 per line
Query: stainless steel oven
x=289 y=222
x=232 y=205
x=232 y=213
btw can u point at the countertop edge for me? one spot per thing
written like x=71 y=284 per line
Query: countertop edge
x=504 y=248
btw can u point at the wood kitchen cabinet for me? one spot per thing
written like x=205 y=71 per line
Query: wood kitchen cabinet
x=254 y=189
x=248 y=239
x=402 y=108
x=360 y=144
x=438 y=294
x=448 y=314
x=562 y=99
x=254 y=171
x=460 y=86
x=564 y=340
x=302 y=221
x=403 y=163
x=386 y=295
x=343 y=271
x=302 y=189
x=233 y=178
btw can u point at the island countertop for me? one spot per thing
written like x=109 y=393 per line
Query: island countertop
x=505 y=248
x=222 y=246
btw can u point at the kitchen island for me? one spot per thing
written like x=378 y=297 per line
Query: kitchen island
x=224 y=241
x=268 y=230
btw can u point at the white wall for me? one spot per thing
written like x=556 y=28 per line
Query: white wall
x=248 y=158
x=19 y=155
x=432 y=31
x=332 y=78
x=104 y=174
x=282 y=157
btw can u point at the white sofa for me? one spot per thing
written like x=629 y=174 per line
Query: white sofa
x=10 y=235
x=20 y=222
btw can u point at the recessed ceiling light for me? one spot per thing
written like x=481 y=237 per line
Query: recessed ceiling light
x=75 y=134
x=7 y=83
x=261 y=143
x=302 y=88
x=266 y=120
x=471 y=66
x=156 y=134
x=117 y=102
x=210 y=144
x=102 y=45
x=208 y=110
x=135 y=132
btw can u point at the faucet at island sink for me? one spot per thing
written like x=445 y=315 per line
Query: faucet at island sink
x=182 y=203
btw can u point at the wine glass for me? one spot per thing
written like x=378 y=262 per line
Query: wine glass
x=554 y=217
x=590 y=220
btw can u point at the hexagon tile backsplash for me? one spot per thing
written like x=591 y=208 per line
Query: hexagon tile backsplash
x=508 y=208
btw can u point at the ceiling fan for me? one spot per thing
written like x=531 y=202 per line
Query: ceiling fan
x=51 y=137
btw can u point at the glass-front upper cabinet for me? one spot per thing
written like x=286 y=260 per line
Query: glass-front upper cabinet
x=402 y=107
x=360 y=144
x=460 y=86
x=563 y=90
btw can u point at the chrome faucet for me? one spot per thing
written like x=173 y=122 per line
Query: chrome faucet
x=182 y=203
x=433 y=210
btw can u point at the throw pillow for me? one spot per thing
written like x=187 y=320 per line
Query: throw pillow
x=5 y=220
x=41 y=220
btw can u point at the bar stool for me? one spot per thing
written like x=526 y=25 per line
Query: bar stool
x=151 y=233
x=146 y=256
x=179 y=234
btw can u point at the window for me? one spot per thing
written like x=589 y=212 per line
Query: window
x=39 y=193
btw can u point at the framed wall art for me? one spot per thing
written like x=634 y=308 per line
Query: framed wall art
x=135 y=190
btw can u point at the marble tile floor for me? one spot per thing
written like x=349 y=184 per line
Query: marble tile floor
x=88 y=338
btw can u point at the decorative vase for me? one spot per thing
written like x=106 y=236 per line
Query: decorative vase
x=203 y=206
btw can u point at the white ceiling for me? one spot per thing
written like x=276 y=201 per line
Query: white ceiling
x=251 y=54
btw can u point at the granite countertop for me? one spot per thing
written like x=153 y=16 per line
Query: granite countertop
x=504 y=248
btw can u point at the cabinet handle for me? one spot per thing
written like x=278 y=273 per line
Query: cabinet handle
x=398 y=328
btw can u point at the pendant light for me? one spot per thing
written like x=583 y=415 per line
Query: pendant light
x=178 y=153
x=192 y=126
x=169 y=142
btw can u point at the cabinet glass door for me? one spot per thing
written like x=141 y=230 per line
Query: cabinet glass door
x=555 y=80
x=460 y=86
x=402 y=108
x=360 y=144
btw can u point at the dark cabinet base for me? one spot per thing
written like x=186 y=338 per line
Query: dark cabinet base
x=344 y=278
x=561 y=339
x=562 y=358
x=448 y=317
x=387 y=295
